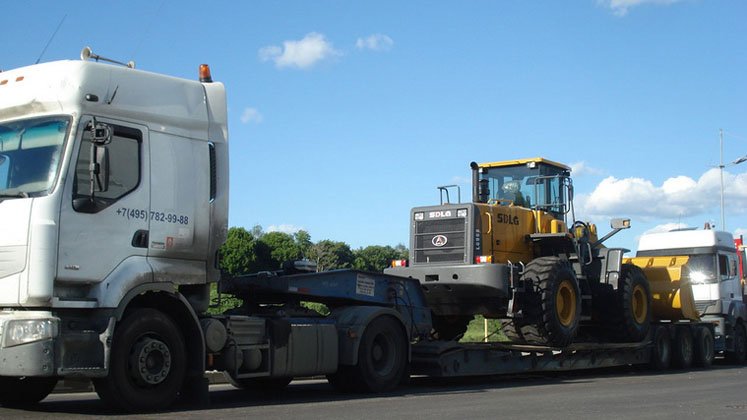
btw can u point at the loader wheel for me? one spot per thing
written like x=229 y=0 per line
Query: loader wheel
x=738 y=355
x=629 y=312
x=25 y=391
x=148 y=363
x=661 y=351
x=450 y=327
x=382 y=359
x=550 y=312
x=682 y=356
x=704 y=347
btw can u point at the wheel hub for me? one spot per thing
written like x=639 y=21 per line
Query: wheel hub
x=565 y=303
x=640 y=304
x=150 y=361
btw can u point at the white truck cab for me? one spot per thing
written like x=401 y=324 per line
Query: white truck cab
x=711 y=267
x=113 y=196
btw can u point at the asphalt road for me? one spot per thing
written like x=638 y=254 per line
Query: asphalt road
x=616 y=393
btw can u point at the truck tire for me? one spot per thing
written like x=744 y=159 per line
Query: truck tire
x=628 y=315
x=24 y=392
x=450 y=327
x=682 y=352
x=551 y=311
x=661 y=349
x=704 y=347
x=738 y=355
x=382 y=359
x=147 y=365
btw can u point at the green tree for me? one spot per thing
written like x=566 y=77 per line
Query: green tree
x=376 y=258
x=331 y=255
x=283 y=247
x=243 y=253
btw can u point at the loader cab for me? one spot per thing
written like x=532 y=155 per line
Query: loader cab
x=537 y=184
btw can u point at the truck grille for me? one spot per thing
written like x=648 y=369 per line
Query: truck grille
x=454 y=250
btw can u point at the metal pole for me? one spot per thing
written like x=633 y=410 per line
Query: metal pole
x=721 y=169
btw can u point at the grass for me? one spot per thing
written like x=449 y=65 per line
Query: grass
x=476 y=331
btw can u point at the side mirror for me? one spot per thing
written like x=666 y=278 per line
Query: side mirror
x=620 y=223
x=102 y=133
x=99 y=168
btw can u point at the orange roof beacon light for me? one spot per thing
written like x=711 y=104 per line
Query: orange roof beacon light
x=205 y=74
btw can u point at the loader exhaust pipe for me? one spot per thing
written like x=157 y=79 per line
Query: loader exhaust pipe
x=480 y=192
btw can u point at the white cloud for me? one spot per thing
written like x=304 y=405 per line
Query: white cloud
x=284 y=228
x=251 y=115
x=621 y=7
x=740 y=232
x=581 y=169
x=679 y=196
x=375 y=42
x=666 y=227
x=301 y=54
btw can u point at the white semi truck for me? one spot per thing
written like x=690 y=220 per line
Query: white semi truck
x=113 y=207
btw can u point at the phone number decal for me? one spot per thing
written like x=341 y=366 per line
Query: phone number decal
x=156 y=216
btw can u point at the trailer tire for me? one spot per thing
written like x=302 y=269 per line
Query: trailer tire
x=739 y=354
x=551 y=311
x=25 y=391
x=629 y=312
x=682 y=354
x=661 y=349
x=704 y=347
x=382 y=359
x=450 y=327
x=148 y=363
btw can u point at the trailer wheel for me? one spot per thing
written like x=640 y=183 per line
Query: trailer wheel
x=450 y=327
x=630 y=316
x=682 y=354
x=704 y=347
x=382 y=359
x=739 y=354
x=661 y=350
x=551 y=312
x=148 y=363
x=25 y=391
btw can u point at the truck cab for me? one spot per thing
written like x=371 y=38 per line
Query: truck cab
x=708 y=260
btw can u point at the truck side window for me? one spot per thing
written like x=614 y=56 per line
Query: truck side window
x=725 y=267
x=124 y=168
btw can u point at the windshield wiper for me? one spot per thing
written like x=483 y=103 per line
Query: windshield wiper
x=20 y=194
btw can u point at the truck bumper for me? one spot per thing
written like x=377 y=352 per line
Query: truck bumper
x=27 y=343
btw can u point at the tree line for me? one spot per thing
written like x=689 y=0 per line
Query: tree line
x=250 y=251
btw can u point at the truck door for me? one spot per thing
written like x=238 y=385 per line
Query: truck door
x=180 y=208
x=106 y=234
x=729 y=285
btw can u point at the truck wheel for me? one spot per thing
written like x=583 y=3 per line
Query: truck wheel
x=147 y=365
x=739 y=354
x=661 y=349
x=704 y=347
x=382 y=359
x=682 y=354
x=26 y=391
x=551 y=312
x=450 y=327
x=630 y=316
x=263 y=385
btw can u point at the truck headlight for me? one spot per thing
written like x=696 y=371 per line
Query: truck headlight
x=22 y=331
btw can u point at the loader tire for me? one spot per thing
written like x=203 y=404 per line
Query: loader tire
x=551 y=307
x=628 y=308
x=450 y=327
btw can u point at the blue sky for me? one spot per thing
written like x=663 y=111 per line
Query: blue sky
x=345 y=114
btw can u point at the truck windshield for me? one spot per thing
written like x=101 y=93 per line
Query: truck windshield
x=702 y=268
x=30 y=155
x=537 y=187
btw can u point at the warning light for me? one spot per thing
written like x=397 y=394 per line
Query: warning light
x=205 y=76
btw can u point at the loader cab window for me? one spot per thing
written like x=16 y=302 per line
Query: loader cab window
x=124 y=167
x=537 y=186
